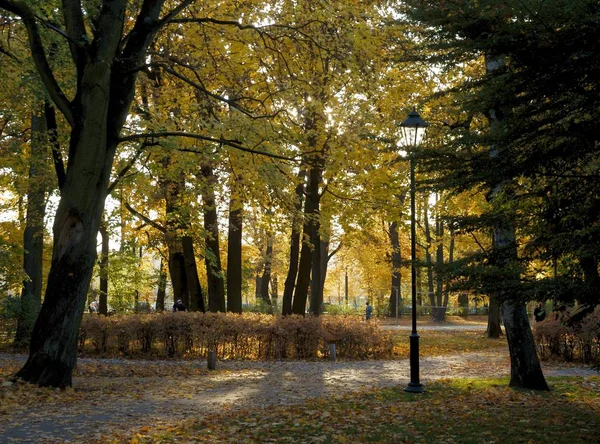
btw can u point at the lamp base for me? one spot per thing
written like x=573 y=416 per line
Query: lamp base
x=414 y=388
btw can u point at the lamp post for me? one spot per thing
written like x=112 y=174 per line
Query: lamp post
x=412 y=132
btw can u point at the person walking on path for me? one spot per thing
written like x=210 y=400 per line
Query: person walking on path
x=368 y=311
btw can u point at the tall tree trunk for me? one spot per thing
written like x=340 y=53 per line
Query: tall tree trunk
x=396 y=256
x=274 y=292
x=214 y=272
x=136 y=297
x=290 y=279
x=316 y=291
x=234 y=254
x=306 y=256
x=324 y=262
x=161 y=292
x=526 y=371
x=450 y=262
x=103 y=266
x=266 y=275
x=396 y=263
x=428 y=258
x=439 y=310
x=33 y=237
x=172 y=185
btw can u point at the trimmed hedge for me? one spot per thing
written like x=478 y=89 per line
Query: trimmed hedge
x=250 y=336
x=579 y=342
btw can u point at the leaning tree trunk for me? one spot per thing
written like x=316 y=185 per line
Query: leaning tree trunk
x=53 y=349
x=33 y=237
x=526 y=371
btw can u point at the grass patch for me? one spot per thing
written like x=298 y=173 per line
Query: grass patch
x=447 y=342
x=457 y=410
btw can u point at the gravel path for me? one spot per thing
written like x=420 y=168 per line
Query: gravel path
x=128 y=403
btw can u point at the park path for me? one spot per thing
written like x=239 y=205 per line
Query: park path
x=125 y=404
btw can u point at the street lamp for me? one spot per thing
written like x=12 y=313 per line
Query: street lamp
x=412 y=132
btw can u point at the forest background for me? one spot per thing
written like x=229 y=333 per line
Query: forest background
x=251 y=148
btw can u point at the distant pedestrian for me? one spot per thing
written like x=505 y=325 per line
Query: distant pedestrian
x=539 y=313
x=94 y=307
x=179 y=306
x=368 y=311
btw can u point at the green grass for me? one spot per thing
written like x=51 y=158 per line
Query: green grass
x=459 y=410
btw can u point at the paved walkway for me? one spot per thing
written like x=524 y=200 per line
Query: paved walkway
x=102 y=405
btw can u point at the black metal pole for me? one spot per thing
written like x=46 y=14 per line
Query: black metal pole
x=414 y=385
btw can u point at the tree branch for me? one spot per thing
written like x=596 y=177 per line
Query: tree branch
x=128 y=167
x=146 y=219
x=228 y=142
x=76 y=34
x=232 y=103
x=21 y=9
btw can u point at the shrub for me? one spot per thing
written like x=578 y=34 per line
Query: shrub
x=234 y=336
x=555 y=337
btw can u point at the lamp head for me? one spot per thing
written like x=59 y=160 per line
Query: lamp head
x=412 y=129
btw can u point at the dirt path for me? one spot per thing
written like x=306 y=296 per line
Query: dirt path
x=97 y=406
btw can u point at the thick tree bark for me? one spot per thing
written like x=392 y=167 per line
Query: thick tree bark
x=494 y=330
x=234 y=255
x=33 y=237
x=103 y=266
x=525 y=369
x=290 y=279
x=214 y=272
